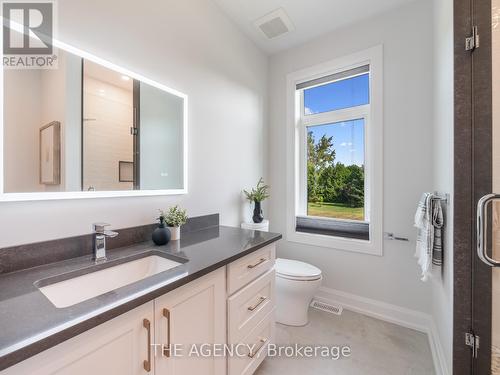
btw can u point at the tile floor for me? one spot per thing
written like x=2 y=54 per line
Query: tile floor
x=495 y=360
x=377 y=347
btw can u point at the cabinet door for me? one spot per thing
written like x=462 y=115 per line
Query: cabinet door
x=194 y=314
x=117 y=347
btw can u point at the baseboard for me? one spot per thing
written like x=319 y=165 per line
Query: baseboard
x=402 y=316
x=437 y=350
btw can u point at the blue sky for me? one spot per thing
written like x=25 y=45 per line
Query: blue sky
x=348 y=140
x=347 y=93
x=348 y=136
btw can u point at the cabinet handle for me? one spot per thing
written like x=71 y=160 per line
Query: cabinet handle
x=262 y=343
x=147 y=363
x=261 y=260
x=166 y=348
x=252 y=308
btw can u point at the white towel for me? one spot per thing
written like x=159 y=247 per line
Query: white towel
x=437 y=223
x=425 y=236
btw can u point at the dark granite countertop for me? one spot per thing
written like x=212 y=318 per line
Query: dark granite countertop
x=30 y=323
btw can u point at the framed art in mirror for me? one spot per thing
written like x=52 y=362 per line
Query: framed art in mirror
x=50 y=153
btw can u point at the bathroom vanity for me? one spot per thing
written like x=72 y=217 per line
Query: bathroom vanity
x=218 y=290
x=102 y=131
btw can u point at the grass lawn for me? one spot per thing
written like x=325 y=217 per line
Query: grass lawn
x=335 y=210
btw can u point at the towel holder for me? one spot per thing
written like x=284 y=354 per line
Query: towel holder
x=445 y=198
x=392 y=237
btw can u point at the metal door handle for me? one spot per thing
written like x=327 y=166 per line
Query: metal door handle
x=147 y=363
x=261 y=260
x=253 y=307
x=166 y=348
x=262 y=342
x=482 y=227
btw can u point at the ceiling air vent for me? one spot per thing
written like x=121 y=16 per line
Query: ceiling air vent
x=274 y=24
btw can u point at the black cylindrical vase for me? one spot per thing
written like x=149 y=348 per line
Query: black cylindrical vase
x=257 y=213
x=161 y=235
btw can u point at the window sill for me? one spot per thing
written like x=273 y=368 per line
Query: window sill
x=371 y=247
x=359 y=230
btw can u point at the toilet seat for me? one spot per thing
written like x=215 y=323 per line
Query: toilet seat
x=296 y=270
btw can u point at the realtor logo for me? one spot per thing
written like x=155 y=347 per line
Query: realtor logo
x=28 y=30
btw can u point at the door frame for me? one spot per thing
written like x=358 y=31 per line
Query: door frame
x=136 y=124
x=472 y=179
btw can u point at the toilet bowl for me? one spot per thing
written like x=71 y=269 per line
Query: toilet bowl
x=296 y=284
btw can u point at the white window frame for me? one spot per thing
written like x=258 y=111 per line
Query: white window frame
x=297 y=150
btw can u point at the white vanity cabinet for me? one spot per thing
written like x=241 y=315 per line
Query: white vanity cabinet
x=119 y=346
x=188 y=317
x=231 y=305
x=131 y=344
x=250 y=308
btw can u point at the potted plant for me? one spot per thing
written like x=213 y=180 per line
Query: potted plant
x=257 y=195
x=174 y=218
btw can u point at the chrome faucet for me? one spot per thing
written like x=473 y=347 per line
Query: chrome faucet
x=100 y=234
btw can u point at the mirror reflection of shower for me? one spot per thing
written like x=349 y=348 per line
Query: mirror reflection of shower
x=108 y=136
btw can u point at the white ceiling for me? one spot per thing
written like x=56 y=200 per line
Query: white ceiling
x=311 y=18
x=107 y=75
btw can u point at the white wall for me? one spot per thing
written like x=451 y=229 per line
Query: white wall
x=405 y=34
x=192 y=47
x=53 y=108
x=442 y=282
x=34 y=98
x=21 y=130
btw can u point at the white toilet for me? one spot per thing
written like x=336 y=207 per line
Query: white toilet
x=296 y=284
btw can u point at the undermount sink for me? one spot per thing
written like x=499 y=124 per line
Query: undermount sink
x=81 y=288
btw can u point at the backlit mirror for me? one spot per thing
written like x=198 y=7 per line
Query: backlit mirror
x=89 y=127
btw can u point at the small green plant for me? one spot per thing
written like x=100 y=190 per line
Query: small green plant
x=174 y=217
x=259 y=193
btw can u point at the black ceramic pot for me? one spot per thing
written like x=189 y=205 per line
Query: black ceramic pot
x=257 y=213
x=161 y=235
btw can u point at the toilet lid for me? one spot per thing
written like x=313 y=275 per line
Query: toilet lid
x=294 y=269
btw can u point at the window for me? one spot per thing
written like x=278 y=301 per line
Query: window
x=335 y=170
x=335 y=145
x=339 y=94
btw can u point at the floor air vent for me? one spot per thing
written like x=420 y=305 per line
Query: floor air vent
x=333 y=309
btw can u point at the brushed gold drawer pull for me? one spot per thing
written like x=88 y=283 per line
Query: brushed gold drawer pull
x=261 y=299
x=261 y=260
x=262 y=343
x=166 y=348
x=147 y=363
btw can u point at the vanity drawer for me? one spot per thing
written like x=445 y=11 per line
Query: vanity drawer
x=258 y=339
x=249 y=306
x=248 y=268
